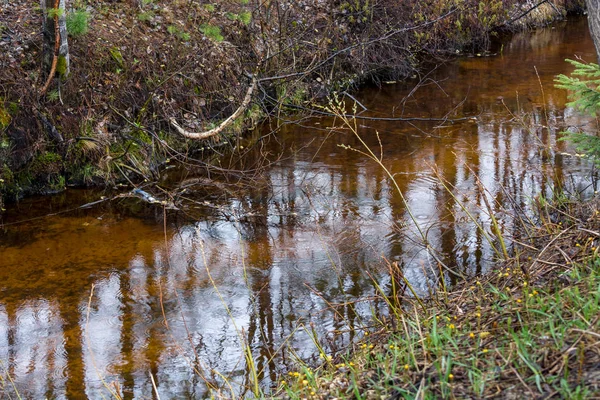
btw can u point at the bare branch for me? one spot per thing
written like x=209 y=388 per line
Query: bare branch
x=360 y=44
x=224 y=124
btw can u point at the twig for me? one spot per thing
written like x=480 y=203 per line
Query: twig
x=360 y=44
x=355 y=100
x=537 y=259
x=525 y=13
x=154 y=386
x=586 y=332
x=589 y=231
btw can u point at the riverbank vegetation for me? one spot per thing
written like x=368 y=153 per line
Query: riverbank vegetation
x=143 y=72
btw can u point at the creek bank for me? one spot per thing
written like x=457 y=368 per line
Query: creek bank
x=142 y=64
x=528 y=328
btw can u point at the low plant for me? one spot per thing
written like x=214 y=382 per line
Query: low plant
x=180 y=33
x=212 y=32
x=146 y=16
x=78 y=22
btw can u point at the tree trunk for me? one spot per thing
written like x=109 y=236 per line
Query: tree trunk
x=593 y=7
x=50 y=36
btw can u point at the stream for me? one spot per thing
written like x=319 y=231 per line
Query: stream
x=124 y=295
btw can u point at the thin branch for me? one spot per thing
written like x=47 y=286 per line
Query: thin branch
x=360 y=44
x=526 y=13
x=366 y=118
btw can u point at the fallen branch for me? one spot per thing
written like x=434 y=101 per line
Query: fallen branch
x=526 y=13
x=50 y=128
x=224 y=124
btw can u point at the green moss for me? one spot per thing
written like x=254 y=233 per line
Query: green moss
x=45 y=174
x=6 y=177
x=116 y=55
x=61 y=66
x=13 y=108
x=85 y=175
x=9 y=187
x=45 y=166
x=5 y=117
x=56 y=184
x=49 y=157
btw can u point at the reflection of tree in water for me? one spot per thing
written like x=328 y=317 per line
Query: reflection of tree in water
x=258 y=263
x=69 y=309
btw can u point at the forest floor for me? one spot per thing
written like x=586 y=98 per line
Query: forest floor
x=141 y=68
x=528 y=329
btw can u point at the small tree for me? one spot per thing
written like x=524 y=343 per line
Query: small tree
x=584 y=88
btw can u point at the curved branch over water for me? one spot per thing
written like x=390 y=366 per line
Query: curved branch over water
x=224 y=124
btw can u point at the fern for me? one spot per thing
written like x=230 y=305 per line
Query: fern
x=584 y=92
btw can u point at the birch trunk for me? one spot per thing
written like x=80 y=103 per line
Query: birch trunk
x=50 y=36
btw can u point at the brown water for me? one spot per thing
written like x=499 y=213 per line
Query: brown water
x=268 y=265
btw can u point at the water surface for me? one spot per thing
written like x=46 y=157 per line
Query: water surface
x=110 y=297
